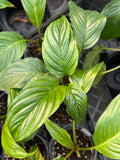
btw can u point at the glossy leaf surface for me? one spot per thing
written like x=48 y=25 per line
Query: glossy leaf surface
x=35 y=10
x=37 y=155
x=59 y=48
x=37 y=101
x=85 y=78
x=76 y=103
x=87 y=25
x=93 y=57
x=59 y=134
x=5 y=3
x=19 y=73
x=107 y=131
x=9 y=145
x=112 y=27
x=12 y=47
x=11 y=95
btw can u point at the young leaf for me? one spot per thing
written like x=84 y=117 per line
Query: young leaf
x=85 y=78
x=59 y=134
x=12 y=47
x=100 y=75
x=87 y=25
x=112 y=27
x=60 y=52
x=107 y=131
x=19 y=73
x=37 y=101
x=76 y=102
x=9 y=145
x=5 y=3
x=37 y=155
x=93 y=57
x=35 y=10
x=76 y=77
x=89 y=77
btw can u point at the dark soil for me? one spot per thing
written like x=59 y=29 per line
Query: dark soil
x=36 y=141
x=61 y=116
x=3 y=107
x=82 y=140
x=33 y=50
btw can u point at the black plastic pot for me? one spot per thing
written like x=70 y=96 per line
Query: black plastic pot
x=83 y=131
x=46 y=157
x=15 y=19
x=56 y=6
x=112 y=79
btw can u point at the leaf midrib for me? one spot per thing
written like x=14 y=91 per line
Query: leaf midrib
x=12 y=45
x=36 y=17
x=107 y=141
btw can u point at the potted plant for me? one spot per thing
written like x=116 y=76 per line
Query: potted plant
x=36 y=87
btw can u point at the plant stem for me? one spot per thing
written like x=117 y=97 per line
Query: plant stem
x=3 y=116
x=28 y=40
x=69 y=154
x=74 y=134
x=111 y=49
x=110 y=70
x=40 y=38
x=85 y=149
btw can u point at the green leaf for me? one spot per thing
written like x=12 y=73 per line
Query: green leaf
x=35 y=10
x=76 y=77
x=12 y=47
x=87 y=25
x=85 y=78
x=37 y=155
x=89 y=77
x=5 y=3
x=107 y=131
x=59 y=134
x=76 y=102
x=112 y=27
x=11 y=95
x=60 y=52
x=19 y=73
x=62 y=158
x=9 y=145
x=93 y=57
x=38 y=100
x=100 y=75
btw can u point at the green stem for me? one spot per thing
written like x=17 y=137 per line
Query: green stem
x=69 y=154
x=110 y=70
x=85 y=149
x=74 y=134
x=28 y=40
x=111 y=49
x=40 y=37
x=3 y=116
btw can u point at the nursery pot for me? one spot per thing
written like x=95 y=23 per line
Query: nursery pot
x=15 y=19
x=56 y=6
x=84 y=139
x=42 y=145
x=112 y=79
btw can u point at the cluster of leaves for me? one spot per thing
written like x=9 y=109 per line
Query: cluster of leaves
x=36 y=87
